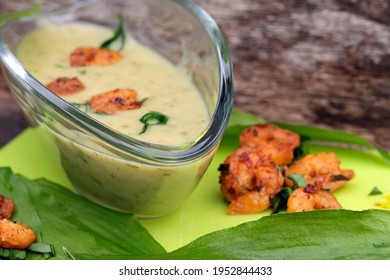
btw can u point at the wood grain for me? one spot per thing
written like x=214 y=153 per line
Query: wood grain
x=325 y=63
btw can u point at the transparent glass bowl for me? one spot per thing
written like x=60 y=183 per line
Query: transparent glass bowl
x=103 y=165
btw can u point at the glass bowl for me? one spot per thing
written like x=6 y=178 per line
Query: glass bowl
x=104 y=165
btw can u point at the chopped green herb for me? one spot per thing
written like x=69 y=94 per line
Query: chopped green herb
x=82 y=72
x=12 y=254
x=301 y=151
x=143 y=99
x=42 y=248
x=153 y=118
x=84 y=107
x=279 y=202
x=119 y=35
x=298 y=179
x=375 y=191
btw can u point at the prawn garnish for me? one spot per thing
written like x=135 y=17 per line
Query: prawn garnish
x=311 y=197
x=322 y=168
x=271 y=140
x=66 y=86
x=14 y=235
x=6 y=207
x=114 y=101
x=89 y=56
x=249 y=181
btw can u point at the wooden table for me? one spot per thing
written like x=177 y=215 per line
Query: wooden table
x=321 y=62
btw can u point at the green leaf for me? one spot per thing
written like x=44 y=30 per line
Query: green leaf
x=332 y=136
x=35 y=9
x=65 y=219
x=375 y=191
x=326 y=234
x=152 y=118
x=297 y=179
x=279 y=203
x=119 y=35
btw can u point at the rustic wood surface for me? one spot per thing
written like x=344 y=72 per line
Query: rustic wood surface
x=321 y=62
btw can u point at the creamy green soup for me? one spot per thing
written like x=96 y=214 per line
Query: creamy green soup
x=104 y=175
x=165 y=87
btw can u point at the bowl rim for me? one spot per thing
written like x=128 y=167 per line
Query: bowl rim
x=153 y=152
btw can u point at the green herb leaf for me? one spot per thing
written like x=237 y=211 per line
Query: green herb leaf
x=70 y=221
x=84 y=107
x=375 y=191
x=35 y=9
x=279 y=203
x=119 y=35
x=12 y=254
x=325 y=234
x=152 y=118
x=298 y=180
x=42 y=248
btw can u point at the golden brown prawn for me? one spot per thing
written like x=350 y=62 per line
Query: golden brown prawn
x=93 y=56
x=65 y=86
x=114 y=101
x=311 y=197
x=271 y=140
x=322 y=168
x=6 y=207
x=249 y=180
x=15 y=235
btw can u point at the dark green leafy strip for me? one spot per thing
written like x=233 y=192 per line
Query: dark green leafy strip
x=317 y=134
x=326 y=234
x=46 y=250
x=119 y=35
x=12 y=254
x=279 y=202
x=4 y=17
x=152 y=118
x=242 y=120
x=68 y=220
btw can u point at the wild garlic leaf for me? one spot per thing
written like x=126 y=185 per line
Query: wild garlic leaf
x=69 y=221
x=118 y=36
x=314 y=235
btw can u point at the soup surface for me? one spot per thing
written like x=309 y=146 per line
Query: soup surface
x=161 y=86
